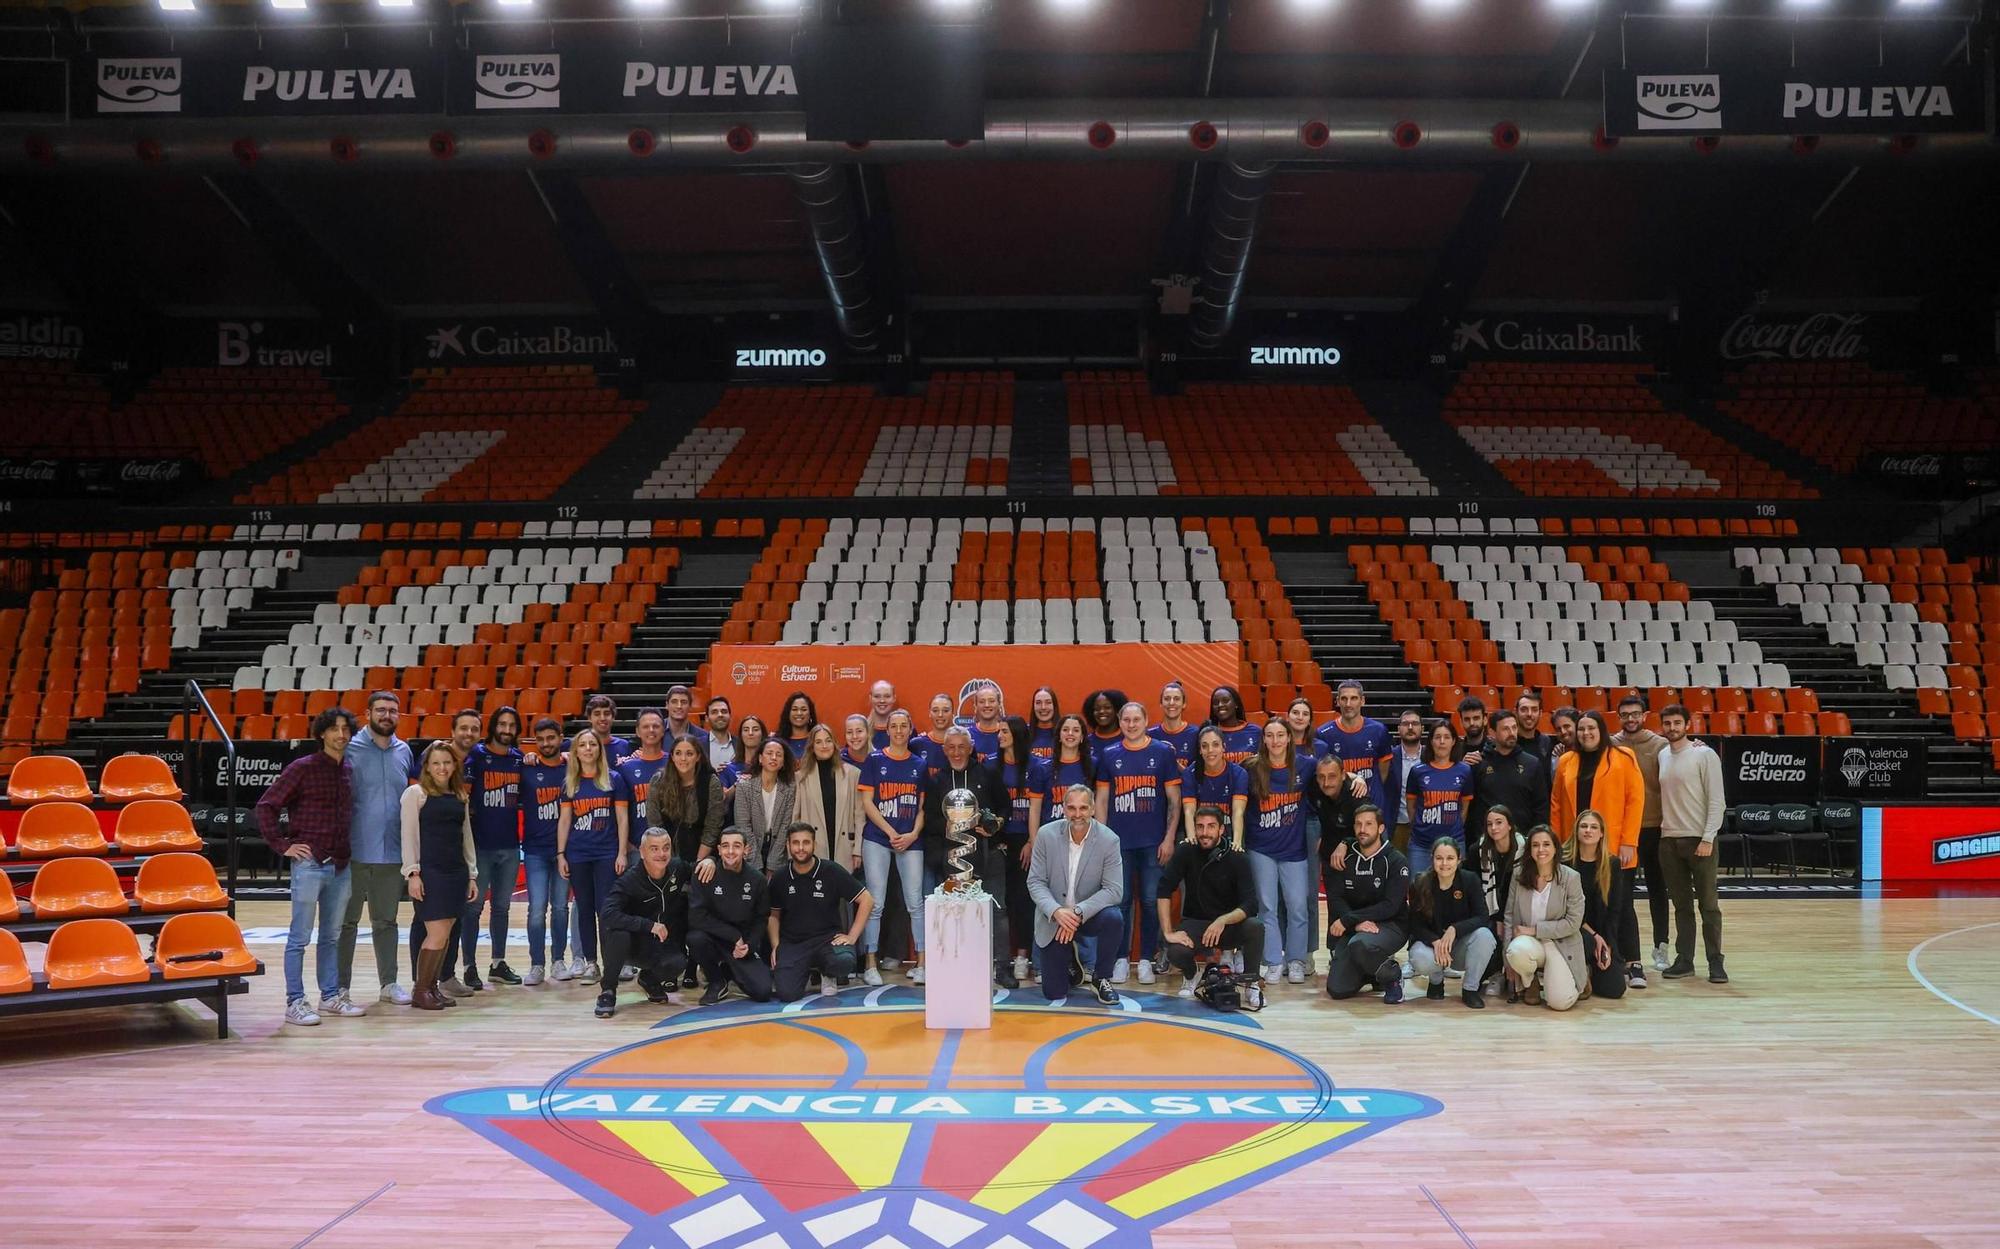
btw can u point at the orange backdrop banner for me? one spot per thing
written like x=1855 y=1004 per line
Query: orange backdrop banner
x=757 y=679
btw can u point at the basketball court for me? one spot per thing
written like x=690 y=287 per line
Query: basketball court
x=1837 y=1092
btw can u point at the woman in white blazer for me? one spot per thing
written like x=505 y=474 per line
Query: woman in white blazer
x=1545 y=924
x=823 y=773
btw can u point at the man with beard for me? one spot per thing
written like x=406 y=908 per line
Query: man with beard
x=1368 y=913
x=602 y=712
x=1528 y=708
x=382 y=764
x=493 y=780
x=1219 y=907
x=645 y=924
x=807 y=895
x=1405 y=753
x=727 y=918
x=721 y=740
x=1507 y=776
x=1471 y=730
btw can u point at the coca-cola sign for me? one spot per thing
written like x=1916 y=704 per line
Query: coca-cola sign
x=62 y=476
x=1817 y=336
x=1921 y=465
x=151 y=472
x=29 y=471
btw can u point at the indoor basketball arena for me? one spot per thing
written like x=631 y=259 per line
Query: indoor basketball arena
x=999 y=624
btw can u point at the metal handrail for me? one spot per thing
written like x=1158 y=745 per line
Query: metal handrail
x=191 y=694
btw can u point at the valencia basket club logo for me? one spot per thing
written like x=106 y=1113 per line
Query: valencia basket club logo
x=852 y=1125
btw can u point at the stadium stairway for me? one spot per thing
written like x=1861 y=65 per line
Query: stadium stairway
x=624 y=465
x=1698 y=407
x=1349 y=638
x=1413 y=414
x=1040 y=464
x=669 y=647
x=233 y=488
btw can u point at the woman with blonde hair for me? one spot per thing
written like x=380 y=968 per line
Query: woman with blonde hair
x=593 y=837
x=826 y=794
x=1545 y=923
x=438 y=863
x=1590 y=854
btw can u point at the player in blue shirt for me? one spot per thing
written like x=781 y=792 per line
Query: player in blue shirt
x=680 y=712
x=493 y=780
x=1440 y=790
x=1139 y=796
x=892 y=808
x=1363 y=745
x=1174 y=728
x=1212 y=780
x=602 y=712
x=1026 y=779
x=1101 y=710
x=645 y=762
x=1073 y=763
x=1279 y=774
x=859 y=740
x=795 y=724
x=593 y=837
x=1044 y=714
x=1240 y=738
x=930 y=743
x=988 y=711
x=543 y=771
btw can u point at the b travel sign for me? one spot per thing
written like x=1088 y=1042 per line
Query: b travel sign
x=1783 y=100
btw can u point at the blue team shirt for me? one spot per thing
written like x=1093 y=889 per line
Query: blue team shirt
x=1098 y=745
x=1365 y=750
x=541 y=804
x=1042 y=744
x=593 y=827
x=896 y=785
x=1198 y=787
x=1136 y=783
x=1023 y=784
x=1277 y=826
x=927 y=748
x=984 y=744
x=1438 y=798
x=797 y=745
x=1240 y=743
x=639 y=774
x=1182 y=742
x=494 y=781
x=1064 y=775
x=862 y=762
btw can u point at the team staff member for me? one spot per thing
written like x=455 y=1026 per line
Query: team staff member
x=680 y=720
x=1472 y=728
x=543 y=771
x=764 y=801
x=593 y=837
x=1369 y=914
x=1075 y=879
x=1507 y=776
x=1026 y=780
x=957 y=767
x=721 y=742
x=795 y=722
x=493 y=776
x=1528 y=707
x=1360 y=743
x=825 y=794
x=1139 y=794
x=806 y=936
x=438 y=858
x=728 y=916
x=645 y=924
x=1449 y=926
x=1598 y=775
x=1646 y=746
x=1218 y=899
x=1212 y=780
x=1492 y=862
x=383 y=766
x=1545 y=924
x=685 y=798
x=1586 y=853
x=1691 y=809
x=316 y=794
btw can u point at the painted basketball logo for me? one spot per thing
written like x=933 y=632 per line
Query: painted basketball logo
x=852 y=1124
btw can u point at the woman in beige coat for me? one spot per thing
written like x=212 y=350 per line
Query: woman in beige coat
x=1545 y=924
x=822 y=776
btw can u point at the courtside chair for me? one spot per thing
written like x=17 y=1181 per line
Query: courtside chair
x=51 y=829
x=89 y=952
x=131 y=777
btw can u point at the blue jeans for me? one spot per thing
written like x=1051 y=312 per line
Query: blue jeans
x=548 y=904
x=592 y=880
x=1420 y=859
x=875 y=860
x=319 y=894
x=496 y=872
x=1290 y=883
x=1142 y=887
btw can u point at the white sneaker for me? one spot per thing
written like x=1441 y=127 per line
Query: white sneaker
x=394 y=994
x=1188 y=983
x=1023 y=971
x=565 y=969
x=341 y=1006
x=1121 y=971
x=1187 y=989
x=1295 y=971
x=302 y=1014
x=917 y=974
x=1273 y=973
x=871 y=977
x=627 y=974
x=534 y=976
x=827 y=987
x=1236 y=961
x=1145 y=971
x=1660 y=960
x=590 y=973
x=1454 y=973
x=888 y=964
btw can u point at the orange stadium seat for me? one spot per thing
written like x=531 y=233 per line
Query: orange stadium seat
x=51 y=829
x=177 y=882
x=90 y=952
x=153 y=825
x=14 y=974
x=47 y=778
x=127 y=778
x=69 y=888
x=184 y=937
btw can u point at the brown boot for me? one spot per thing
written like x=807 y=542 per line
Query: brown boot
x=426 y=996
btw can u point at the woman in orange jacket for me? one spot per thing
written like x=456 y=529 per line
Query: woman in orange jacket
x=1599 y=775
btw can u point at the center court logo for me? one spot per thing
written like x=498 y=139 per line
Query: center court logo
x=1679 y=101
x=850 y=1122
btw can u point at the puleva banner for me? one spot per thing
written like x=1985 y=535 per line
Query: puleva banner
x=334 y=82
x=758 y=679
x=1780 y=100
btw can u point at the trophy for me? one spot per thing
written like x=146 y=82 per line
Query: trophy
x=961 y=814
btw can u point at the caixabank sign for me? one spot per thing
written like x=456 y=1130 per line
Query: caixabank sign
x=1780 y=100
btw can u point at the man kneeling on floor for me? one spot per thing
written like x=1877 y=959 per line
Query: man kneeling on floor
x=1369 y=913
x=645 y=924
x=1219 y=902
x=806 y=901
x=727 y=917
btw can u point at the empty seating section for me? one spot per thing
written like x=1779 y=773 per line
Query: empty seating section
x=1229 y=439
x=465 y=435
x=448 y=628
x=846 y=442
x=1856 y=610
x=226 y=418
x=1592 y=430
x=1277 y=664
x=1836 y=412
x=981 y=582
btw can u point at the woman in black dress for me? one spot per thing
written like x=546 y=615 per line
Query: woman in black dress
x=438 y=863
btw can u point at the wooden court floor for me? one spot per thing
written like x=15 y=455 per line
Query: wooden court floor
x=1831 y=1095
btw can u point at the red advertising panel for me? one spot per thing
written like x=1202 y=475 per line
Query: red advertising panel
x=1935 y=843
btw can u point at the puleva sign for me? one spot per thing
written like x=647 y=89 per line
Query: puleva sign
x=856 y=1124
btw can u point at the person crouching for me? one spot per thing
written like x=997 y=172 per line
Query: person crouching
x=1218 y=902
x=645 y=924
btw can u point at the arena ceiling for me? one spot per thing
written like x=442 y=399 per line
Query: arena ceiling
x=1056 y=233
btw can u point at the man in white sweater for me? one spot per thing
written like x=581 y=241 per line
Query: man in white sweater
x=1691 y=807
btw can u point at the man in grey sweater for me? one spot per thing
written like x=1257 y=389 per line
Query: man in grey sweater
x=1691 y=807
x=1647 y=746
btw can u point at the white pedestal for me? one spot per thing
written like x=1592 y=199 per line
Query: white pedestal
x=958 y=961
